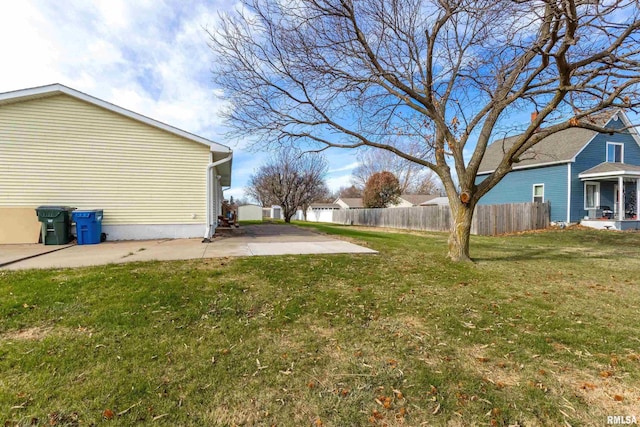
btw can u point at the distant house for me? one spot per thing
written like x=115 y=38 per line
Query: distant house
x=436 y=201
x=59 y=146
x=406 y=200
x=585 y=175
x=349 y=203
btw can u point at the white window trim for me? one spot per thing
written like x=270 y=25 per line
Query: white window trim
x=621 y=152
x=597 y=195
x=533 y=195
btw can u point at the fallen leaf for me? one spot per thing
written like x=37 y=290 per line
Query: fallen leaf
x=377 y=415
x=386 y=403
x=108 y=414
x=618 y=398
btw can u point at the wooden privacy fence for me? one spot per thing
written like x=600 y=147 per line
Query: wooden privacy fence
x=491 y=220
x=488 y=220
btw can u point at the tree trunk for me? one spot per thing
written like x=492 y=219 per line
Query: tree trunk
x=462 y=214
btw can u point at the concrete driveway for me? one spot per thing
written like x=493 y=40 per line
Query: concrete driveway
x=252 y=240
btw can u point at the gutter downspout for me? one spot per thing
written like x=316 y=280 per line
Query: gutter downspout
x=208 y=233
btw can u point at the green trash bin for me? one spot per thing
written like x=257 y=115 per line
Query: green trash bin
x=56 y=224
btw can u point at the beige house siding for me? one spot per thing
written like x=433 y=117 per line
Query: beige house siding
x=64 y=151
x=402 y=203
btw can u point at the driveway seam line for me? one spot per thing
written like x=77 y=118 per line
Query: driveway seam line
x=33 y=256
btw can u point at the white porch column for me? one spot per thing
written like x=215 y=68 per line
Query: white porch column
x=637 y=199
x=620 y=198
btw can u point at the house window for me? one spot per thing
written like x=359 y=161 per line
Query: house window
x=538 y=193
x=591 y=195
x=615 y=152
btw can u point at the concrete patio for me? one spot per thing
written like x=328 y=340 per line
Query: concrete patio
x=253 y=240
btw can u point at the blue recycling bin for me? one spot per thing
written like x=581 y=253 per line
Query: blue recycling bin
x=88 y=226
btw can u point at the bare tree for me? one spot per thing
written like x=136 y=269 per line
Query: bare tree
x=448 y=73
x=430 y=184
x=291 y=180
x=241 y=201
x=381 y=190
x=411 y=175
x=352 y=192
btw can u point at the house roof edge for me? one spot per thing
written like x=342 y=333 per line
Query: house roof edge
x=58 y=88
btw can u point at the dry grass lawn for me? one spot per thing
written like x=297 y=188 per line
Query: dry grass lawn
x=541 y=330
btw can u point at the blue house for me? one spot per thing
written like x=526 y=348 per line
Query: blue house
x=588 y=177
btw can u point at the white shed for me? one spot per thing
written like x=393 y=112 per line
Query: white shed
x=321 y=212
x=249 y=213
x=276 y=212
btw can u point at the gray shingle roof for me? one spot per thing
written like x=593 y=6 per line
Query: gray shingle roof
x=353 y=202
x=324 y=206
x=559 y=147
x=417 y=199
x=414 y=199
x=436 y=201
x=610 y=167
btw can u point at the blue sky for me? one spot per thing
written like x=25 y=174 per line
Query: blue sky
x=149 y=56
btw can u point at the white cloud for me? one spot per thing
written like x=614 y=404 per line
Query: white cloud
x=27 y=47
x=114 y=13
x=349 y=167
x=335 y=182
x=238 y=193
x=147 y=56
